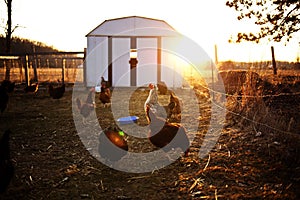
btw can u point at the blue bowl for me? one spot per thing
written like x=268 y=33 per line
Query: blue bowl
x=128 y=120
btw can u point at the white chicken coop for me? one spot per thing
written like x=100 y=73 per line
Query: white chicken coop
x=132 y=51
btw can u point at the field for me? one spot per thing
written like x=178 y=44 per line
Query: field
x=256 y=154
x=45 y=74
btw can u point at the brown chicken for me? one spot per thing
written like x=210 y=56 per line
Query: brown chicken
x=167 y=135
x=32 y=88
x=105 y=95
x=112 y=144
x=174 y=107
x=3 y=98
x=56 y=92
x=106 y=83
x=88 y=106
x=162 y=87
x=6 y=166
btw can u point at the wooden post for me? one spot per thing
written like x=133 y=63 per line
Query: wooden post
x=273 y=61
x=216 y=54
x=63 y=70
x=84 y=69
x=34 y=63
x=26 y=66
x=212 y=80
x=21 y=69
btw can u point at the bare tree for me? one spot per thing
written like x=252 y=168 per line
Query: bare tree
x=279 y=20
x=8 y=30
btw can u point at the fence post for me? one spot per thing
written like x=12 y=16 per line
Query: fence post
x=273 y=61
x=84 y=68
x=63 y=70
x=7 y=69
x=34 y=63
x=21 y=68
x=26 y=65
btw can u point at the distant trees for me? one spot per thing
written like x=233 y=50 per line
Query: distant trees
x=24 y=46
x=279 y=20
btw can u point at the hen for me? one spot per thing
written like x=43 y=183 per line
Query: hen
x=32 y=88
x=6 y=166
x=56 y=92
x=174 y=107
x=88 y=106
x=105 y=95
x=3 y=98
x=167 y=135
x=106 y=83
x=112 y=144
x=10 y=86
x=162 y=88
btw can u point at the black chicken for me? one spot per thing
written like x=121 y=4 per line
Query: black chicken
x=88 y=106
x=167 y=135
x=56 y=92
x=10 y=86
x=6 y=166
x=112 y=144
x=3 y=98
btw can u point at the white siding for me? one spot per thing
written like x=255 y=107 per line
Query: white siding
x=147 y=61
x=121 y=68
x=96 y=59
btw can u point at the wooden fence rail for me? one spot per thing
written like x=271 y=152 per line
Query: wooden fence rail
x=43 y=66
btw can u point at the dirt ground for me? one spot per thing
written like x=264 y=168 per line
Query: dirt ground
x=51 y=162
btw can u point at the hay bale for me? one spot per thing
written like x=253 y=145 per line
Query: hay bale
x=235 y=80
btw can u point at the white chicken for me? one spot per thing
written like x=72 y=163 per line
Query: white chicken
x=152 y=102
x=152 y=98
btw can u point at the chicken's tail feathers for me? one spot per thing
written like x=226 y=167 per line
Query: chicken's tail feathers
x=78 y=102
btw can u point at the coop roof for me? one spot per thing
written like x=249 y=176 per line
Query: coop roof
x=133 y=26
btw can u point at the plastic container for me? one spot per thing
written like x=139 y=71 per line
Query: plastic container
x=128 y=120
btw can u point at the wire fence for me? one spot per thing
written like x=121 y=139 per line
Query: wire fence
x=242 y=86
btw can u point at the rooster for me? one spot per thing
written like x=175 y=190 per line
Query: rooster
x=112 y=144
x=152 y=102
x=167 y=135
x=10 y=86
x=6 y=166
x=32 y=88
x=88 y=106
x=56 y=92
x=105 y=95
x=3 y=98
x=174 y=107
x=152 y=98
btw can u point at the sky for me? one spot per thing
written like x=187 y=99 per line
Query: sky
x=64 y=24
